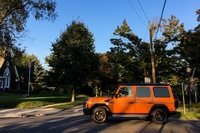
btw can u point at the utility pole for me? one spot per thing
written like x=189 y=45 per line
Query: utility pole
x=152 y=56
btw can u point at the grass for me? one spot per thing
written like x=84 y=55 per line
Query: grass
x=195 y=114
x=9 y=100
x=68 y=105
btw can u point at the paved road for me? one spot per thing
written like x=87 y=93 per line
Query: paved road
x=73 y=121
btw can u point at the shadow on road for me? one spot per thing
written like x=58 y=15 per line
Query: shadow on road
x=84 y=124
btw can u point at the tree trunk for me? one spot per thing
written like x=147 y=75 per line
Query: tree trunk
x=32 y=86
x=73 y=95
x=96 y=89
x=101 y=92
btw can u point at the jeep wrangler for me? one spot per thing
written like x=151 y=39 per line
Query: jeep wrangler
x=155 y=102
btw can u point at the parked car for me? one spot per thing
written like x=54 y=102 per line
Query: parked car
x=155 y=102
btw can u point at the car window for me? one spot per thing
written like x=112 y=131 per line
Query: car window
x=143 y=92
x=161 y=92
x=125 y=91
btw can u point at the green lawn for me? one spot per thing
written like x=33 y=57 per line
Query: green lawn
x=9 y=100
x=195 y=114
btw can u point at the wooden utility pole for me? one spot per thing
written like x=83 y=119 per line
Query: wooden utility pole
x=152 y=56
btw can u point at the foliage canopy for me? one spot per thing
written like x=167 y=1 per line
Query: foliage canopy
x=73 y=60
x=14 y=15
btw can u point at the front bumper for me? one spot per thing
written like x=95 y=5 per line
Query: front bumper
x=86 y=111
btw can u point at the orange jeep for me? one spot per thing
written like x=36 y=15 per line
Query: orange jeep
x=152 y=101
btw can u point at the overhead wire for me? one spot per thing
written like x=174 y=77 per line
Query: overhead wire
x=137 y=13
x=145 y=16
x=143 y=10
x=160 y=19
x=146 y=32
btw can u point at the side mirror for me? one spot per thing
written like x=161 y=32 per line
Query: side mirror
x=117 y=96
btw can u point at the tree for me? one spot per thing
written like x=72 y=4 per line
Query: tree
x=189 y=47
x=129 y=56
x=104 y=78
x=198 y=13
x=168 y=62
x=37 y=71
x=73 y=60
x=14 y=15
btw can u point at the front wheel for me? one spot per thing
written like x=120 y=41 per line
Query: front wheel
x=99 y=115
x=159 y=115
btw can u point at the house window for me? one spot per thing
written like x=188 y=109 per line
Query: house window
x=6 y=75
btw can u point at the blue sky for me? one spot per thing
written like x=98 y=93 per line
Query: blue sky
x=102 y=17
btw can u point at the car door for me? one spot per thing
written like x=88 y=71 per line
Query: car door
x=143 y=100
x=123 y=101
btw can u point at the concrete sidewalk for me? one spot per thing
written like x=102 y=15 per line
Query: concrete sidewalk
x=6 y=113
x=40 y=111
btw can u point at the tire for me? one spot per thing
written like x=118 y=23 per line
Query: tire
x=159 y=116
x=99 y=115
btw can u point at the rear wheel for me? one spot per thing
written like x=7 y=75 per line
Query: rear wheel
x=99 y=115
x=159 y=115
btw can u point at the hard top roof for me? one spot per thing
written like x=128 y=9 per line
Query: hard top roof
x=143 y=84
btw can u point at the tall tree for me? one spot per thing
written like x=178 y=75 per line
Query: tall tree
x=73 y=59
x=189 y=47
x=104 y=78
x=14 y=15
x=173 y=32
x=129 y=55
x=130 y=50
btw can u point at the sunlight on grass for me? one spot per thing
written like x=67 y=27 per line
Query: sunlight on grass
x=32 y=104
x=190 y=115
x=44 y=97
x=68 y=105
x=33 y=101
x=195 y=114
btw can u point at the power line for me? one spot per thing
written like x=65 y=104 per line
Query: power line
x=160 y=19
x=146 y=32
x=143 y=10
x=137 y=13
